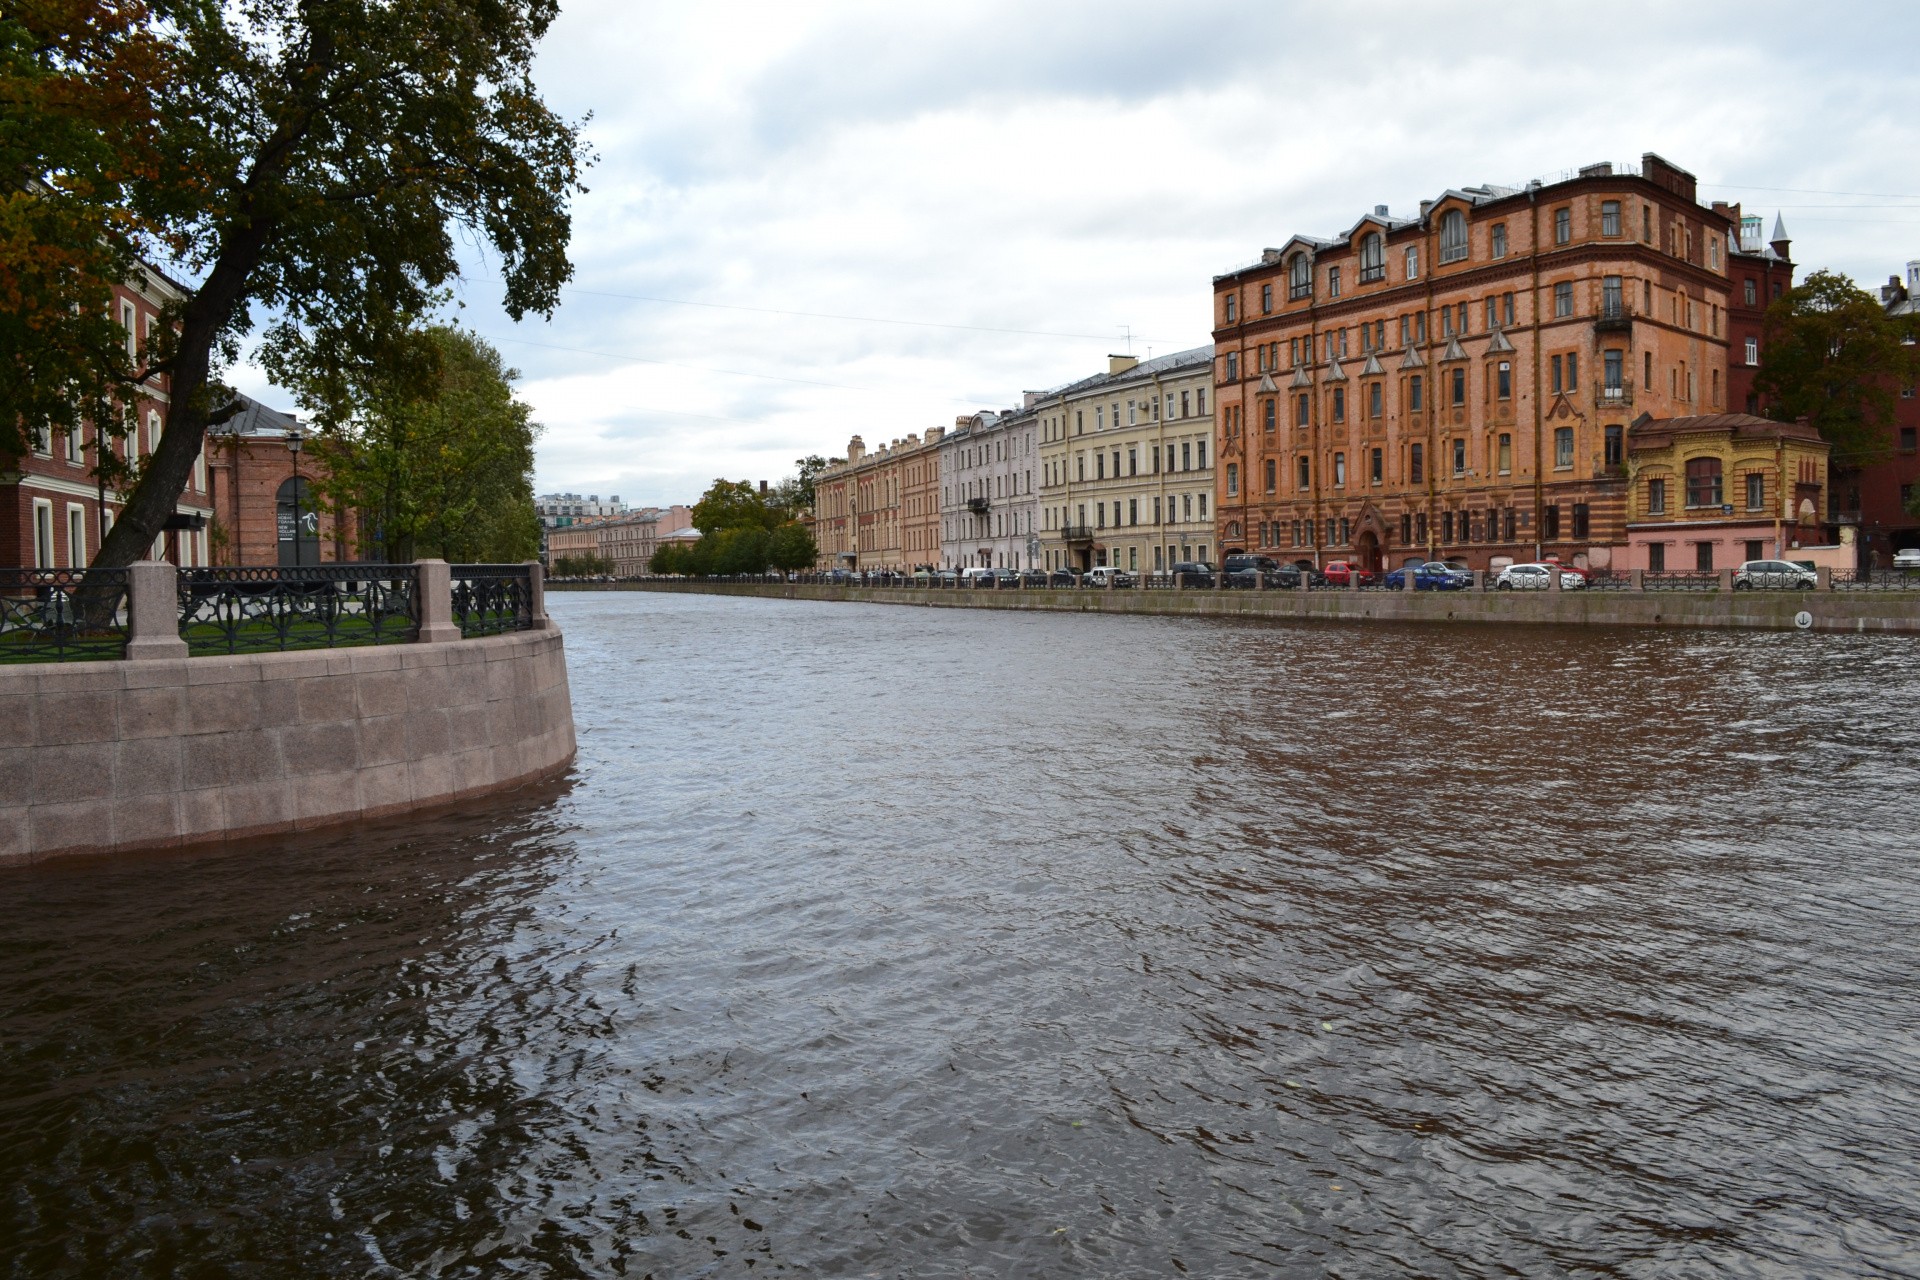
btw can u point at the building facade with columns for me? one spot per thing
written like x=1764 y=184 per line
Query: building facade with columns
x=989 y=496
x=1127 y=465
x=1458 y=383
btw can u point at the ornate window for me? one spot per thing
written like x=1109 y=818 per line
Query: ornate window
x=1703 y=482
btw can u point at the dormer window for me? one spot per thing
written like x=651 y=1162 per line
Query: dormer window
x=1453 y=236
x=1373 y=258
x=1300 y=277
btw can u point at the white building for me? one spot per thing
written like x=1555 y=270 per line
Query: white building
x=989 y=491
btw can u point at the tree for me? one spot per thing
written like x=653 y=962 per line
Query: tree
x=733 y=504
x=589 y=565
x=1835 y=357
x=78 y=79
x=300 y=159
x=439 y=466
x=793 y=547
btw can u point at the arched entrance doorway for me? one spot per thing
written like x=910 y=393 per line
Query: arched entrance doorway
x=1366 y=549
x=298 y=523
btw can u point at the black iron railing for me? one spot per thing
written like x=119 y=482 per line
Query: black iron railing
x=492 y=599
x=1876 y=580
x=62 y=615
x=260 y=610
x=1702 y=580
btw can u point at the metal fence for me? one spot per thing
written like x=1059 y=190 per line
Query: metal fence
x=63 y=615
x=260 y=610
x=1876 y=580
x=1677 y=581
x=492 y=599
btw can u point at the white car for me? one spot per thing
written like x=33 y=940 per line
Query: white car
x=1536 y=577
x=1907 y=558
x=1774 y=575
x=1104 y=575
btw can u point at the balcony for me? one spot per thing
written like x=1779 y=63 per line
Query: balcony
x=978 y=506
x=1617 y=395
x=1076 y=533
x=1615 y=316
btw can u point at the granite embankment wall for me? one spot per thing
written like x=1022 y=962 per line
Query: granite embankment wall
x=1884 y=611
x=153 y=753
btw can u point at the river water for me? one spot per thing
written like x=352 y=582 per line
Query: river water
x=878 y=941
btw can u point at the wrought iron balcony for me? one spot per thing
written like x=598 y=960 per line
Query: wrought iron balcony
x=978 y=506
x=1076 y=532
x=1614 y=314
x=1613 y=395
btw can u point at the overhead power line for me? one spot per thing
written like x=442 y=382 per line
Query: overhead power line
x=829 y=315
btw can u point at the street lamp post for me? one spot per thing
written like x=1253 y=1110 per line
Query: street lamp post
x=294 y=441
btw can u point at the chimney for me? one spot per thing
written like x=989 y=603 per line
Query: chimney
x=763 y=488
x=1269 y=256
x=1379 y=211
x=1117 y=365
x=1426 y=206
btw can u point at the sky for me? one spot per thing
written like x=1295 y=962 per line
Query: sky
x=814 y=220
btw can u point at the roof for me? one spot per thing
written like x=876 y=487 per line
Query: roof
x=1661 y=430
x=256 y=419
x=1159 y=367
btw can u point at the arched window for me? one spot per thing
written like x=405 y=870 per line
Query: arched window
x=1300 y=277
x=1703 y=482
x=1373 y=258
x=1453 y=236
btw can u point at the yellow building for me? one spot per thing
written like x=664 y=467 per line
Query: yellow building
x=1126 y=472
x=1710 y=491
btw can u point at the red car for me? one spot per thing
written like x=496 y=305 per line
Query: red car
x=1584 y=575
x=1342 y=573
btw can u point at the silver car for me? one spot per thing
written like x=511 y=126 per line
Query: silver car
x=1536 y=577
x=1774 y=575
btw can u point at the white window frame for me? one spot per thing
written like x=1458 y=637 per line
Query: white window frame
x=76 y=536
x=1753 y=352
x=1413 y=262
x=43 y=533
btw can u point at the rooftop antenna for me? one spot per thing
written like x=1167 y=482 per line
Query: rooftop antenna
x=1129 y=329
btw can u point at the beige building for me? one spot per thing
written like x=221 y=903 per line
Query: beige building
x=1126 y=465
x=880 y=510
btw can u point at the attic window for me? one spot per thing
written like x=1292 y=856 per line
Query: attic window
x=1453 y=236
x=1373 y=258
x=1300 y=277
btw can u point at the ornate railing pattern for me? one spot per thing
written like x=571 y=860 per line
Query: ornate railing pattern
x=258 y=610
x=62 y=615
x=492 y=599
x=1676 y=581
x=1876 y=580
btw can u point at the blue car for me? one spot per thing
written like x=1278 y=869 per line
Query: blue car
x=1431 y=576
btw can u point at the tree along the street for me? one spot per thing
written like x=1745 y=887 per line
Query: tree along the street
x=305 y=162
x=735 y=504
x=746 y=549
x=437 y=464
x=1835 y=357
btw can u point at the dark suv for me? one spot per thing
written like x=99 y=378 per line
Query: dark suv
x=1191 y=573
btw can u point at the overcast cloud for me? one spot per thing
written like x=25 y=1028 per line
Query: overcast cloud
x=1018 y=185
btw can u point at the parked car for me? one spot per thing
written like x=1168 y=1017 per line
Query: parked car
x=976 y=576
x=1064 y=578
x=947 y=577
x=1537 y=577
x=1344 y=573
x=1006 y=577
x=1033 y=578
x=839 y=575
x=1191 y=573
x=1774 y=575
x=1104 y=575
x=1907 y=558
x=922 y=577
x=1431 y=576
x=1576 y=570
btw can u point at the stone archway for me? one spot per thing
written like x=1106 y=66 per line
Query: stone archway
x=1370 y=540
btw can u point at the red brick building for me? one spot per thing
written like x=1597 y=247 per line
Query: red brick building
x=1875 y=498
x=1758 y=273
x=54 y=512
x=1459 y=383
x=257 y=500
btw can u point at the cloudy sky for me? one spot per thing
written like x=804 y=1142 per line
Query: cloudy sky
x=815 y=219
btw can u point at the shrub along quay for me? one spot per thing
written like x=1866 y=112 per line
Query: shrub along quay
x=1864 y=601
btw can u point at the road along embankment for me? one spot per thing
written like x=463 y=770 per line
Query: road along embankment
x=1860 y=611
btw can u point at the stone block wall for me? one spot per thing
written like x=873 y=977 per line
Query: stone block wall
x=147 y=754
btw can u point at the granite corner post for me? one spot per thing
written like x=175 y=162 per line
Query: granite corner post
x=436 y=602
x=153 y=611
